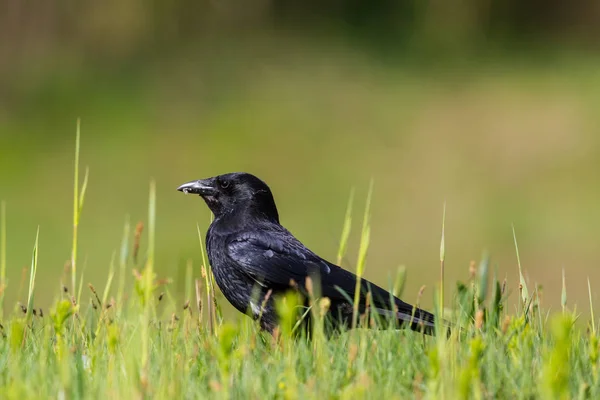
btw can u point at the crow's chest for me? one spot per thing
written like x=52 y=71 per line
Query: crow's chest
x=233 y=282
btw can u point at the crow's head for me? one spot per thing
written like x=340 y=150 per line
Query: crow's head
x=235 y=192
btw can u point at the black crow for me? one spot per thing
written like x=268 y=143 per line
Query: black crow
x=254 y=258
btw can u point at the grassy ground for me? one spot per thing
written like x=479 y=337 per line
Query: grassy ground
x=138 y=340
x=116 y=353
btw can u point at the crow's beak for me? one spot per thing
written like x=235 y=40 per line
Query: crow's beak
x=201 y=187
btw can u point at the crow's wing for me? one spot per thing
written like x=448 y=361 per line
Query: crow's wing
x=273 y=257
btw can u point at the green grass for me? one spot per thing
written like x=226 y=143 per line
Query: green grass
x=137 y=341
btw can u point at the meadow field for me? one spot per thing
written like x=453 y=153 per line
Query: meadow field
x=138 y=340
x=476 y=128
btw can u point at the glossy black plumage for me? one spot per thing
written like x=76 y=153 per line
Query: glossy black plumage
x=252 y=255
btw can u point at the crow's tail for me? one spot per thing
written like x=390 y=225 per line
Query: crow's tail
x=412 y=317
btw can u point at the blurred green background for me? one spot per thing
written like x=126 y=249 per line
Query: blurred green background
x=491 y=106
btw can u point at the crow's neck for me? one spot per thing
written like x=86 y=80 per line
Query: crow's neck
x=242 y=219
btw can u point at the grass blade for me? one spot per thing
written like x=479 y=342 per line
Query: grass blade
x=151 y=225
x=78 y=198
x=362 y=254
x=75 y=210
x=111 y=274
x=522 y=283
x=123 y=262
x=83 y=190
x=442 y=259
x=148 y=279
x=591 y=307
x=2 y=256
x=346 y=229
x=208 y=283
x=80 y=287
x=400 y=281
x=482 y=287
x=32 y=274
x=563 y=297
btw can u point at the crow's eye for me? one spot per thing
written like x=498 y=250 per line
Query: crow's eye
x=224 y=184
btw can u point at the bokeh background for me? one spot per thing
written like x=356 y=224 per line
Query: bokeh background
x=491 y=106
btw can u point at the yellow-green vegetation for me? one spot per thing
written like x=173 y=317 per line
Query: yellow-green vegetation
x=137 y=341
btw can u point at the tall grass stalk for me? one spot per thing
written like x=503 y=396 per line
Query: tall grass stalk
x=104 y=301
x=78 y=197
x=593 y=317
x=3 y=282
x=522 y=282
x=442 y=260
x=148 y=280
x=346 y=229
x=563 y=296
x=111 y=274
x=123 y=261
x=365 y=237
x=80 y=287
x=32 y=274
x=207 y=284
